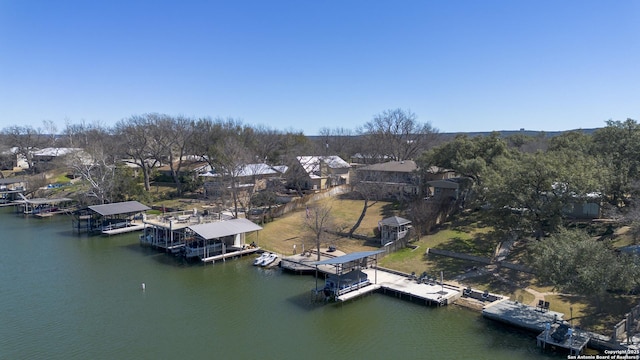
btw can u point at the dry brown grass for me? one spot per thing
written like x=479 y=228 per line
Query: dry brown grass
x=281 y=234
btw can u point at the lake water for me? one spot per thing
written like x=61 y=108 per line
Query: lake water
x=70 y=296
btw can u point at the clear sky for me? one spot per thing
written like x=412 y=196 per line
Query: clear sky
x=478 y=65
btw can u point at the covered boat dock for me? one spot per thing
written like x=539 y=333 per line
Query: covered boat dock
x=110 y=219
x=356 y=274
x=220 y=240
x=346 y=275
x=11 y=189
x=169 y=231
x=43 y=207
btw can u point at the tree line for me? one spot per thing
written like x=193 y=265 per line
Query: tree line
x=141 y=143
x=527 y=186
x=520 y=184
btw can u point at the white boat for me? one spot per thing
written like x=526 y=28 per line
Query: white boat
x=270 y=258
x=260 y=259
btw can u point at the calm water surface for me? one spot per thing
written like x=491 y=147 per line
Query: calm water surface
x=69 y=296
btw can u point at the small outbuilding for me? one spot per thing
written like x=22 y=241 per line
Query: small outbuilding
x=393 y=228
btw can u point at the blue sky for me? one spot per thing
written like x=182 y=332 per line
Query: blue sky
x=306 y=65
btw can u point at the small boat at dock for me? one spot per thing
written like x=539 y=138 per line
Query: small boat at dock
x=269 y=259
x=260 y=259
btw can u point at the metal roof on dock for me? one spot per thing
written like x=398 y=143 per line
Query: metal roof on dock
x=125 y=207
x=347 y=258
x=224 y=228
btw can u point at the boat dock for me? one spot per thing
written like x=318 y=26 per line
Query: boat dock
x=520 y=315
x=561 y=336
x=303 y=263
x=400 y=284
x=130 y=227
x=432 y=292
x=231 y=254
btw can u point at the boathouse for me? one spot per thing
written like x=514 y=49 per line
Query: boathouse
x=10 y=188
x=347 y=275
x=219 y=240
x=110 y=219
x=170 y=231
x=42 y=207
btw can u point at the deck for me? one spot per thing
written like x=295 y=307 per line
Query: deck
x=125 y=229
x=520 y=315
x=301 y=263
x=180 y=219
x=231 y=254
x=432 y=293
x=55 y=212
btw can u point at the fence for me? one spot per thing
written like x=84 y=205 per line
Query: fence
x=626 y=328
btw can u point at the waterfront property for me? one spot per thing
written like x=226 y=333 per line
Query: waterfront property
x=43 y=207
x=110 y=219
x=356 y=274
x=170 y=231
x=11 y=189
x=521 y=315
x=220 y=240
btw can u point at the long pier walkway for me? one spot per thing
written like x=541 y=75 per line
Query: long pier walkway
x=384 y=280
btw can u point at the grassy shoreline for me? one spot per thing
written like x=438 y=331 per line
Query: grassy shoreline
x=465 y=236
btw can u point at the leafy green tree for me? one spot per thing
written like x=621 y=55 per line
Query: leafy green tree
x=619 y=145
x=529 y=192
x=575 y=262
x=468 y=156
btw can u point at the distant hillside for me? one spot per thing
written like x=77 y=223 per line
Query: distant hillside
x=506 y=133
x=503 y=133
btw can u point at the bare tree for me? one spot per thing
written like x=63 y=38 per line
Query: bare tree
x=171 y=140
x=399 y=135
x=137 y=145
x=50 y=132
x=26 y=140
x=338 y=141
x=97 y=170
x=318 y=220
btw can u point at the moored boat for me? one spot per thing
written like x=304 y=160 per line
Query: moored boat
x=269 y=259
x=260 y=259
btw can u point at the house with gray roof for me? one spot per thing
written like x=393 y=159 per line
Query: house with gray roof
x=323 y=172
x=394 y=179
